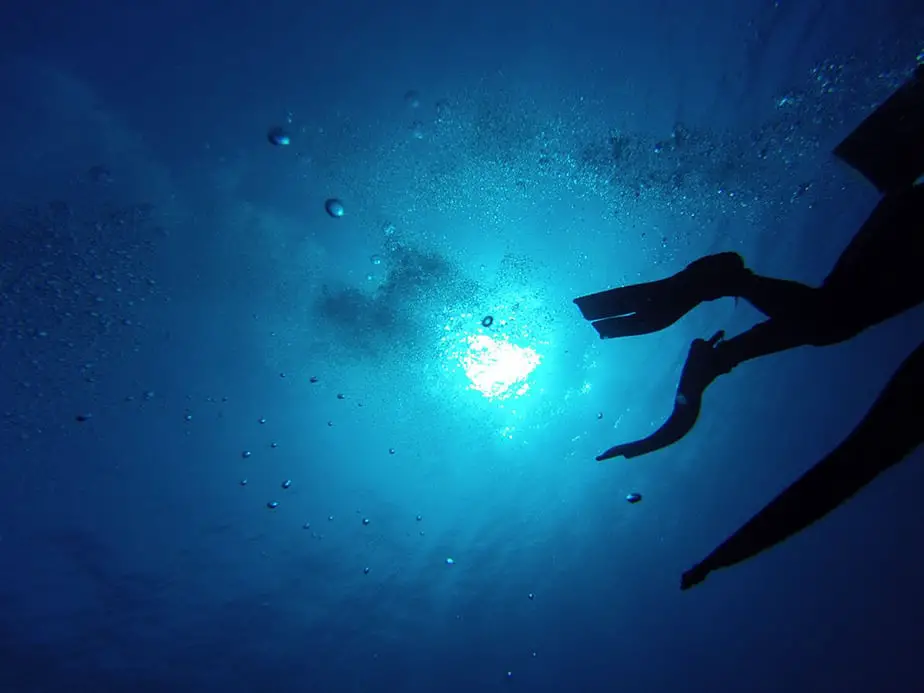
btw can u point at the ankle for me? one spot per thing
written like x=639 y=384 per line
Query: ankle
x=735 y=283
x=725 y=360
x=742 y=282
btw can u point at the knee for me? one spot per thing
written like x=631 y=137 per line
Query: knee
x=836 y=335
x=832 y=324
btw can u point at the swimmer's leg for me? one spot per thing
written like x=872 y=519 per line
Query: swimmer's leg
x=890 y=431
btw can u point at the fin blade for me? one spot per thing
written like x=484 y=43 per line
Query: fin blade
x=887 y=148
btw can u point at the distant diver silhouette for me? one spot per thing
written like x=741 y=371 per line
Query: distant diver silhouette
x=877 y=277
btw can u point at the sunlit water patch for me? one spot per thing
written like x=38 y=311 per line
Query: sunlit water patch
x=497 y=359
x=497 y=368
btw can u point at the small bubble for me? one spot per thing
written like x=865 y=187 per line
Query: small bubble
x=334 y=207
x=412 y=98
x=246 y=454
x=272 y=505
x=443 y=111
x=278 y=137
x=261 y=420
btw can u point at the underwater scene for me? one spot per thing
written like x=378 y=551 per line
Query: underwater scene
x=353 y=347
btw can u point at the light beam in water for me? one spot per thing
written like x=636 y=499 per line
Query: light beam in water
x=497 y=368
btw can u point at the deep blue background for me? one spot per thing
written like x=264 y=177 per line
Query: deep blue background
x=194 y=287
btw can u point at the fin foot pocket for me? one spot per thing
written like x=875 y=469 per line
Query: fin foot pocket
x=705 y=279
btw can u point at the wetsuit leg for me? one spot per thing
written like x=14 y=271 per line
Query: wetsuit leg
x=765 y=338
x=778 y=297
x=890 y=431
x=881 y=272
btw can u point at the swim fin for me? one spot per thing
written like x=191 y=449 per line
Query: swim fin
x=623 y=300
x=644 y=308
x=888 y=146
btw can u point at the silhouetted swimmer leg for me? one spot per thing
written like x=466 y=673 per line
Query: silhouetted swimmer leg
x=887 y=148
x=890 y=431
x=879 y=275
x=765 y=338
x=881 y=272
x=778 y=297
x=650 y=307
x=707 y=360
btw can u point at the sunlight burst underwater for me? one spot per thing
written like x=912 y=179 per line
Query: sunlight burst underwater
x=497 y=368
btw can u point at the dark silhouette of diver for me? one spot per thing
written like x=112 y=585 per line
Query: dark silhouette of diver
x=877 y=277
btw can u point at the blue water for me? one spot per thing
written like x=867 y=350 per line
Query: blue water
x=170 y=284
